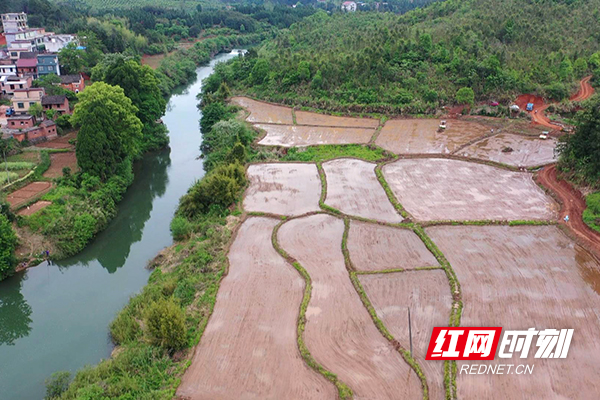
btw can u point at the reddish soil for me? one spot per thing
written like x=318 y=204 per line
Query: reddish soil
x=249 y=348
x=264 y=112
x=340 y=333
x=572 y=204
x=419 y=136
x=58 y=161
x=35 y=207
x=527 y=151
x=375 y=247
x=353 y=188
x=27 y=193
x=59 y=143
x=284 y=189
x=585 y=90
x=442 y=189
x=537 y=115
x=310 y=118
x=527 y=277
x=297 y=136
x=427 y=294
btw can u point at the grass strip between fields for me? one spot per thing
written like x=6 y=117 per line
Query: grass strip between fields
x=344 y=390
x=378 y=323
x=388 y=190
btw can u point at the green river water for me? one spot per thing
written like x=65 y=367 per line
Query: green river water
x=55 y=317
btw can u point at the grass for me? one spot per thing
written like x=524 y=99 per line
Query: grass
x=331 y=151
x=344 y=390
x=591 y=215
x=389 y=192
x=16 y=165
x=6 y=177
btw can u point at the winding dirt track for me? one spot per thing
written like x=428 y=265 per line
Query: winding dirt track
x=573 y=205
x=340 y=333
x=585 y=90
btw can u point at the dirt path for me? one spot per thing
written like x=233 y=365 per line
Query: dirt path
x=585 y=90
x=573 y=205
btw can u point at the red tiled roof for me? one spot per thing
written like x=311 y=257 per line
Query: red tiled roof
x=26 y=62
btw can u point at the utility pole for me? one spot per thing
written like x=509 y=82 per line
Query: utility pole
x=410 y=332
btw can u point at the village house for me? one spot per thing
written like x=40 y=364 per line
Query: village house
x=8 y=70
x=27 y=67
x=349 y=6
x=59 y=103
x=21 y=122
x=8 y=84
x=24 y=98
x=47 y=63
x=74 y=83
x=55 y=43
x=46 y=130
x=14 y=22
x=14 y=52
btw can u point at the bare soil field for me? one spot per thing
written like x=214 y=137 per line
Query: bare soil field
x=420 y=136
x=35 y=207
x=59 y=143
x=353 y=188
x=27 y=193
x=285 y=189
x=526 y=151
x=523 y=277
x=442 y=189
x=310 y=118
x=375 y=247
x=428 y=295
x=296 y=136
x=340 y=333
x=249 y=348
x=58 y=161
x=264 y=112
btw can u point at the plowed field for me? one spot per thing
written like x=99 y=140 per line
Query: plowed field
x=298 y=136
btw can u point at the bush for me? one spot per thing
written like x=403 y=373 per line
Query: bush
x=591 y=215
x=124 y=328
x=166 y=325
x=8 y=243
x=64 y=121
x=57 y=384
x=180 y=228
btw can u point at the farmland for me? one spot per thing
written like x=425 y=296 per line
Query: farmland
x=367 y=240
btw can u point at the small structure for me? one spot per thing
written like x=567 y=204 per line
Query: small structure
x=349 y=6
x=21 y=121
x=442 y=125
x=59 y=103
x=544 y=135
x=24 y=127
x=515 y=108
x=8 y=84
x=55 y=43
x=529 y=107
x=27 y=67
x=25 y=98
x=47 y=64
x=74 y=83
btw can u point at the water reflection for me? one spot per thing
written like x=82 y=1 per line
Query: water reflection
x=134 y=212
x=15 y=313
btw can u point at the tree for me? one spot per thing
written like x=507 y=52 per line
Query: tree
x=57 y=384
x=260 y=71
x=581 y=151
x=211 y=114
x=465 y=95
x=36 y=110
x=8 y=243
x=109 y=131
x=72 y=59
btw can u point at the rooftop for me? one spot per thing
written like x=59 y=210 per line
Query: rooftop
x=27 y=55
x=26 y=62
x=50 y=100
x=20 y=117
x=66 y=79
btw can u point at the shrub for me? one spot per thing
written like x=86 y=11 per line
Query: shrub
x=124 y=328
x=180 y=228
x=591 y=215
x=8 y=243
x=166 y=325
x=57 y=384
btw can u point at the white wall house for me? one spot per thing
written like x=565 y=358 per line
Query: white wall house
x=349 y=6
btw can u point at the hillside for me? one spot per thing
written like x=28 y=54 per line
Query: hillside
x=418 y=61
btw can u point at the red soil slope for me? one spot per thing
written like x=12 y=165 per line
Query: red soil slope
x=585 y=90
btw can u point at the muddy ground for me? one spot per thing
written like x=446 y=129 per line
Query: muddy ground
x=353 y=188
x=339 y=331
x=418 y=136
x=297 y=136
x=442 y=189
x=525 y=151
x=427 y=294
x=249 y=348
x=285 y=189
x=519 y=278
x=35 y=207
x=310 y=118
x=264 y=112
x=375 y=247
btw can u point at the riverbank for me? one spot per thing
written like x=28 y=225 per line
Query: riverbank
x=59 y=314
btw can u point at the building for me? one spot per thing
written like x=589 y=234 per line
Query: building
x=59 y=103
x=27 y=67
x=55 y=43
x=47 y=63
x=20 y=122
x=349 y=6
x=8 y=84
x=14 y=22
x=33 y=36
x=14 y=53
x=74 y=83
x=8 y=70
x=24 y=98
x=46 y=130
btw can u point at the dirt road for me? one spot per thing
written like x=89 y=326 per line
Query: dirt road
x=573 y=205
x=539 y=106
x=585 y=90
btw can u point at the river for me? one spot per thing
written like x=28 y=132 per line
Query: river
x=55 y=316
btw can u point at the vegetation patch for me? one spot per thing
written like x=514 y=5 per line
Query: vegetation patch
x=329 y=152
x=591 y=215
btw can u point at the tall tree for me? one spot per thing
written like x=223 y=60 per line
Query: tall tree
x=110 y=131
x=8 y=243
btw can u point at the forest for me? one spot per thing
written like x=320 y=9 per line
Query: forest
x=417 y=62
